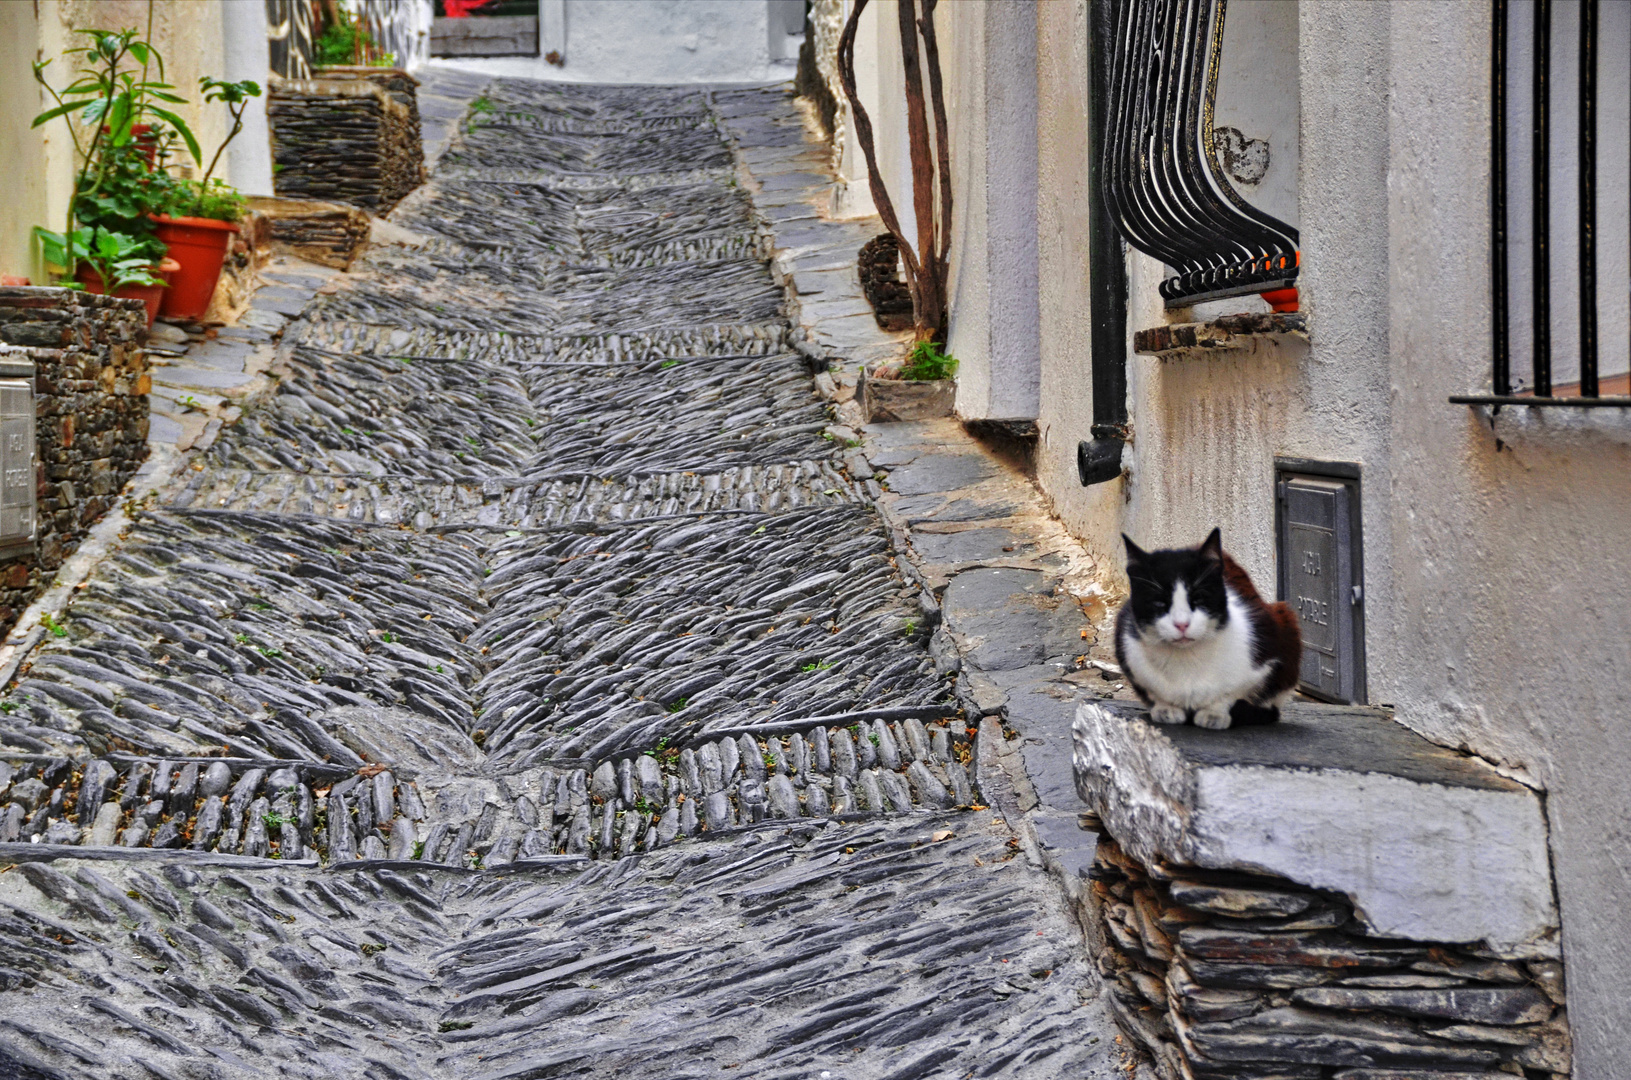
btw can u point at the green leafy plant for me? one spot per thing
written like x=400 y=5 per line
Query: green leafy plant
x=218 y=201
x=119 y=259
x=482 y=104
x=57 y=629
x=927 y=361
x=820 y=665
x=111 y=101
x=676 y=705
x=275 y=820
x=235 y=95
x=343 y=41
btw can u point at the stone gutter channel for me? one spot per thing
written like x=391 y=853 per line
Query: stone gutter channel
x=527 y=681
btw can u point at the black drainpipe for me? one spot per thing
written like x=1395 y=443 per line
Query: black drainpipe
x=1099 y=460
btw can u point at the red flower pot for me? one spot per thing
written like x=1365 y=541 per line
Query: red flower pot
x=200 y=246
x=1281 y=299
x=149 y=295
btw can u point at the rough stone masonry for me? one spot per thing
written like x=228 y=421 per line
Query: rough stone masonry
x=91 y=418
x=526 y=689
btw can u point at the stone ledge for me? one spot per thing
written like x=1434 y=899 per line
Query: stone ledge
x=1429 y=845
x=1243 y=331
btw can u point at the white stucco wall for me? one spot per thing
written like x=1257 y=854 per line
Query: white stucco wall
x=24 y=150
x=653 y=41
x=244 y=56
x=988 y=60
x=1508 y=630
x=1496 y=597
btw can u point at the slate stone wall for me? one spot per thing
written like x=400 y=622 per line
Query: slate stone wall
x=350 y=136
x=1220 y=974
x=91 y=384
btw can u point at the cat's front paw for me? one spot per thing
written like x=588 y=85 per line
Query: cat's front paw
x=1215 y=717
x=1171 y=714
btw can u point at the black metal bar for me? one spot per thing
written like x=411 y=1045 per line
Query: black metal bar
x=1540 y=213
x=1566 y=402
x=1588 y=198
x=1099 y=460
x=1500 y=314
x=1107 y=264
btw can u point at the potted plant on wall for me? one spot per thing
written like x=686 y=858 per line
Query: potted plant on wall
x=201 y=218
x=112 y=262
x=115 y=186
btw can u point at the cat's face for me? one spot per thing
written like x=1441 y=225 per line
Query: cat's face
x=1177 y=595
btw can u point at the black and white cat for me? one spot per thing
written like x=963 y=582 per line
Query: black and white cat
x=1198 y=643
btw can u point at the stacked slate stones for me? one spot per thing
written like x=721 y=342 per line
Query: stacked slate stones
x=879 y=270
x=348 y=139
x=301 y=810
x=91 y=415
x=1235 y=975
x=327 y=233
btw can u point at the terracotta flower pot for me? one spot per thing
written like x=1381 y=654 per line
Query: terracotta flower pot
x=150 y=295
x=1281 y=299
x=200 y=246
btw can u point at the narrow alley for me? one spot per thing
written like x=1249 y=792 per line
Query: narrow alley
x=527 y=688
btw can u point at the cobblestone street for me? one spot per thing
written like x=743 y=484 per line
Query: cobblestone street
x=529 y=686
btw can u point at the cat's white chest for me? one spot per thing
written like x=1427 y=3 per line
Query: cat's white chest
x=1215 y=671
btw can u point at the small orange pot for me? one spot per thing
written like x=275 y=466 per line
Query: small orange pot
x=200 y=246
x=1283 y=300
x=150 y=295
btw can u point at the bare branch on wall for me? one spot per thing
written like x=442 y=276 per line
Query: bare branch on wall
x=925 y=264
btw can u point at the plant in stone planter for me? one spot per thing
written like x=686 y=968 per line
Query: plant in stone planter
x=346 y=41
x=927 y=363
x=198 y=223
x=920 y=389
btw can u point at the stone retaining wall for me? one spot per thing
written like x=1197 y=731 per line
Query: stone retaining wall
x=91 y=410
x=1327 y=898
x=351 y=136
x=1239 y=975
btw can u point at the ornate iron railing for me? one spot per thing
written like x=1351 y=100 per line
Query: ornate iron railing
x=1522 y=290
x=1161 y=178
x=289 y=37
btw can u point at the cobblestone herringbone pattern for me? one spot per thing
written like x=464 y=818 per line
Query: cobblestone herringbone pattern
x=525 y=690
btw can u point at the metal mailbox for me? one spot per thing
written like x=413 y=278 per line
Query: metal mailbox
x=18 y=507
x=1321 y=574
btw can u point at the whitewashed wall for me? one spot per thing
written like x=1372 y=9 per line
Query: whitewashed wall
x=1496 y=596
x=654 y=41
x=988 y=60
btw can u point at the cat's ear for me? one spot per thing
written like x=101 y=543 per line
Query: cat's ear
x=1212 y=546
x=1134 y=552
